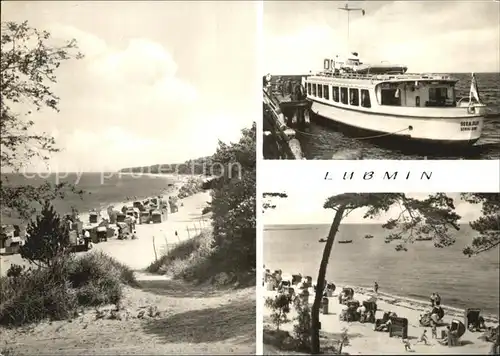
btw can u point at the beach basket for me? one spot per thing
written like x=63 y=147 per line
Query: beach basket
x=399 y=327
x=324 y=305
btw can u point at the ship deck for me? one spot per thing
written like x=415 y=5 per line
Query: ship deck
x=385 y=77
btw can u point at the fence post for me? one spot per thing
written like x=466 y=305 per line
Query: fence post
x=154 y=249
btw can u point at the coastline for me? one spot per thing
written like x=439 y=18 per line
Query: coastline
x=364 y=340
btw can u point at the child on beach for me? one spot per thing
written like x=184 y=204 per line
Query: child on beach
x=423 y=338
x=434 y=330
x=407 y=344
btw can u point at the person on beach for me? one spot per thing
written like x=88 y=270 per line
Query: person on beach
x=86 y=238
x=423 y=338
x=375 y=287
x=407 y=344
x=434 y=330
x=433 y=299
x=437 y=299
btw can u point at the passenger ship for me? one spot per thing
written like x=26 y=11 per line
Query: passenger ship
x=384 y=100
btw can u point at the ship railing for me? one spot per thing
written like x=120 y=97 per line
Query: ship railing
x=412 y=76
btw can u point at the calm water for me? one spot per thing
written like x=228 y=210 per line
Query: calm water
x=423 y=269
x=101 y=190
x=323 y=141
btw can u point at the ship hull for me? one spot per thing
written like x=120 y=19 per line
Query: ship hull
x=464 y=131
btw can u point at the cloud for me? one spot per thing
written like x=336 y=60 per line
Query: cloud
x=128 y=105
x=426 y=36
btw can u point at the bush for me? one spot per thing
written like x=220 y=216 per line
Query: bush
x=57 y=291
x=280 y=307
x=302 y=329
x=15 y=271
x=233 y=203
x=36 y=295
x=192 y=186
x=97 y=265
x=97 y=278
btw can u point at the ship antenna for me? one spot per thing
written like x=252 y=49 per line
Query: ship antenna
x=349 y=9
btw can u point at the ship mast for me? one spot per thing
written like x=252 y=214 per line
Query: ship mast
x=349 y=9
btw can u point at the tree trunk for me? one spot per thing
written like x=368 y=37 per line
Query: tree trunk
x=315 y=347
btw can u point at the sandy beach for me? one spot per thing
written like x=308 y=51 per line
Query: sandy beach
x=193 y=319
x=187 y=221
x=364 y=340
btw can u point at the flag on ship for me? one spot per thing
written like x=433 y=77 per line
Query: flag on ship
x=474 y=92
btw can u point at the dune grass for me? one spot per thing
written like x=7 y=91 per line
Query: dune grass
x=196 y=260
x=59 y=291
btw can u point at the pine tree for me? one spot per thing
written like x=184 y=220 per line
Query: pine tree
x=47 y=238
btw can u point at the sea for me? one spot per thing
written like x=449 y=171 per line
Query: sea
x=100 y=189
x=322 y=141
x=461 y=281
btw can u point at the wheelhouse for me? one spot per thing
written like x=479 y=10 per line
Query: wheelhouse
x=417 y=93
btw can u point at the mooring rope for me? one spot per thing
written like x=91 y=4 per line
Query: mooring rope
x=359 y=138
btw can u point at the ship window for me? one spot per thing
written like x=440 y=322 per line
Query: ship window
x=391 y=97
x=335 y=94
x=354 y=96
x=320 y=91
x=437 y=96
x=314 y=89
x=309 y=88
x=326 y=92
x=343 y=95
x=365 y=99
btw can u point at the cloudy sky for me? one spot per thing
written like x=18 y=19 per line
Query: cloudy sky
x=306 y=207
x=427 y=36
x=161 y=81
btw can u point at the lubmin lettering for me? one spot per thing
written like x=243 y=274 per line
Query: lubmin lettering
x=369 y=175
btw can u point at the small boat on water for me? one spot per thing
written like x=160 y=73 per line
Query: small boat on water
x=383 y=100
x=345 y=241
x=423 y=239
x=368 y=236
x=322 y=240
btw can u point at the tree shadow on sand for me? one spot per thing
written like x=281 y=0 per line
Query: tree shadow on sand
x=233 y=320
x=179 y=289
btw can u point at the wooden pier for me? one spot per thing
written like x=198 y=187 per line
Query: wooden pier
x=286 y=110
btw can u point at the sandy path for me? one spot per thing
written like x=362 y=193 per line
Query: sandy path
x=138 y=254
x=364 y=340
